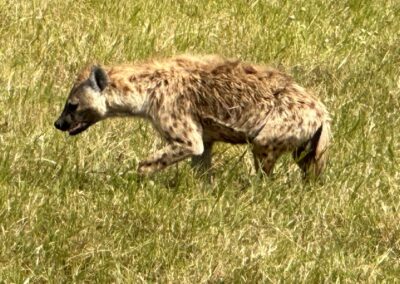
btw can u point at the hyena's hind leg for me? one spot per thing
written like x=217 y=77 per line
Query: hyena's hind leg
x=265 y=157
x=202 y=163
x=312 y=156
x=303 y=156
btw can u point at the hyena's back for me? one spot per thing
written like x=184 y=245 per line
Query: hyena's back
x=232 y=100
x=245 y=99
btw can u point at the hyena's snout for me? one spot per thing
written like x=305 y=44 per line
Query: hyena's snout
x=62 y=124
x=65 y=120
x=73 y=126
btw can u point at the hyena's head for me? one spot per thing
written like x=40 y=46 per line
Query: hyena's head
x=86 y=103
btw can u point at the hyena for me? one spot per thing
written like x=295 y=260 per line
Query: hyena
x=194 y=101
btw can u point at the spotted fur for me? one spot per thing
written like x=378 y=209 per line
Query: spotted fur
x=196 y=101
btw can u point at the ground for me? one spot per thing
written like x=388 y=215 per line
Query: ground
x=74 y=209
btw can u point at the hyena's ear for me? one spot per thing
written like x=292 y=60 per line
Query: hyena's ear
x=98 y=78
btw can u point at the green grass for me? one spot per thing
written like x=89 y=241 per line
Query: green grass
x=74 y=210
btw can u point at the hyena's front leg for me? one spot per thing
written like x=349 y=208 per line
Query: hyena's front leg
x=180 y=148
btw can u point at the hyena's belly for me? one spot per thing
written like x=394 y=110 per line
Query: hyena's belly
x=239 y=132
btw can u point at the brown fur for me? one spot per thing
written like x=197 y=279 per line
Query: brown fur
x=195 y=101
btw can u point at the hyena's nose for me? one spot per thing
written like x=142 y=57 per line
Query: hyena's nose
x=59 y=124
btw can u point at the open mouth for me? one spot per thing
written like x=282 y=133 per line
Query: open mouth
x=78 y=128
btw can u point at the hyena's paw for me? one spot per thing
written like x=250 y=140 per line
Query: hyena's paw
x=146 y=168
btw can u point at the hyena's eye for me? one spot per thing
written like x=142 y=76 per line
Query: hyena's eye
x=72 y=106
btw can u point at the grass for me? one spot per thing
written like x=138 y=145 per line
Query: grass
x=73 y=209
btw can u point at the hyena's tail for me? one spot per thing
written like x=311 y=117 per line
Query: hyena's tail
x=321 y=149
x=312 y=157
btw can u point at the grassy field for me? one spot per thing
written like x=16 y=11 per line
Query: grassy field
x=74 y=210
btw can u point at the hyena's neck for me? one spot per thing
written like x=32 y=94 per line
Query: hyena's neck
x=121 y=104
x=125 y=95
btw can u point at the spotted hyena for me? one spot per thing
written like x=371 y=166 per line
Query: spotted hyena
x=196 y=101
